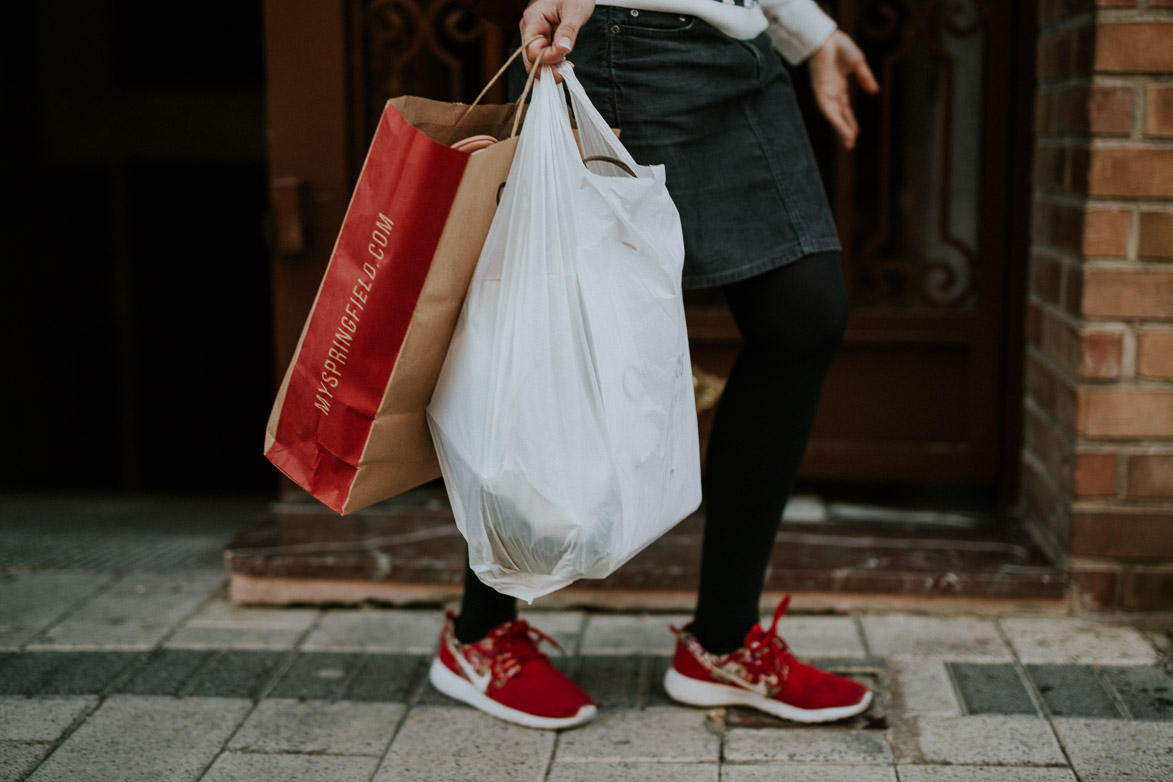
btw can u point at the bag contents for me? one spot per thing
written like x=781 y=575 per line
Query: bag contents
x=564 y=415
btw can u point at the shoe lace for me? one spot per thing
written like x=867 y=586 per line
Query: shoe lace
x=766 y=652
x=515 y=644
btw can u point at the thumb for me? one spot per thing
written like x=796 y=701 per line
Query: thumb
x=564 y=38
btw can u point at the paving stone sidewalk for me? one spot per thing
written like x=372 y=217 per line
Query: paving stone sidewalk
x=147 y=675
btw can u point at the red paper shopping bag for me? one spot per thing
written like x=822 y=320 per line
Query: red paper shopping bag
x=348 y=423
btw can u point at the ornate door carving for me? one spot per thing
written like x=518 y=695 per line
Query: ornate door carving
x=924 y=208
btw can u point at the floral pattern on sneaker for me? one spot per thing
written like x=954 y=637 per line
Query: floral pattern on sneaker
x=761 y=665
x=763 y=674
x=506 y=674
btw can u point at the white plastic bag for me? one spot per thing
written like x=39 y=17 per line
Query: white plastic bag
x=564 y=416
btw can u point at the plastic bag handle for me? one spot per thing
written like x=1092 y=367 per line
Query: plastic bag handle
x=517 y=106
x=612 y=160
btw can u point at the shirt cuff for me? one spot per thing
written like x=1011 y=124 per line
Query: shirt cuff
x=798 y=28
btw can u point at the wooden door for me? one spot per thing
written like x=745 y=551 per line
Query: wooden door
x=929 y=209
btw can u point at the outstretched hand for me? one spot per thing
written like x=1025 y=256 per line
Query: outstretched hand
x=832 y=66
x=557 y=22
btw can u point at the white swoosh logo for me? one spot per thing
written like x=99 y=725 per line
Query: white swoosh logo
x=479 y=680
x=760 y=688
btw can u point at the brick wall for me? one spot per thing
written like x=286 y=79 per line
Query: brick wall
x=1098 y=425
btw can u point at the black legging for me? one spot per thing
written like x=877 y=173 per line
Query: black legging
x=791 y=321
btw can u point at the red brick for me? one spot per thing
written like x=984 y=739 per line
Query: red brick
x=1156 y=235
x=1147 y=589
x=1064 y=54
x=1141 y=172
x=1127 y=293
x=1100 y=355
x=1096 y=589
x=1059 y=341
x=1125 y=412
x=1109 y=110
x=1045 y=503
x=1105 y=232
x=1057 y=10
x=1158 y=110
x=1048 y=446
x=1052 y=393
x=1134 y=47
x=1073 y=289
x=1154 y=354
x=1059 y=225
x=1046 y=278
x=1095 y=475
x=1122 y=532
x=1149 y=476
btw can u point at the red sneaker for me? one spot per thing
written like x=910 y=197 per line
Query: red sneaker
x=505 y=675
x=762 y=674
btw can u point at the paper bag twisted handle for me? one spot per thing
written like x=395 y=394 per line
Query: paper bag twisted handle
x=529 y=83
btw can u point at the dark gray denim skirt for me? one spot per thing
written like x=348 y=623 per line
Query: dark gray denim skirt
x=720 y=115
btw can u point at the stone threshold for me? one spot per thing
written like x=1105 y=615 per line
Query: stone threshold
x=409 y=552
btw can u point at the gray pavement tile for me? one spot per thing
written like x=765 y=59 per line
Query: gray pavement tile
x=134 y=614
x=614 y=681
x=656 y=694
x=31 y=601
x=992 y=689
x=661 y=733
x=439 y=744
x=317 y=675
x=634 y=772
x=166 y=672
x=250 y=767
x=134 y=738
x=18 y=758
x=386 y=677
x=984 y=774
x=236 y=674
x=805 y=772
x=340 y=728
x=379 y=630
x=1073 y=691
x=822 y=636
x=988 y=739
x=80 y=673
x=1071 y=640
x=807 y=745
x=21 y=673
x=631 y=633
x=40 y=719
x=1147 y=691
x=222 y=625
x=565 y=627
x=61 y=673
x=961 y=639
x=925 y=687
x=1114 y=750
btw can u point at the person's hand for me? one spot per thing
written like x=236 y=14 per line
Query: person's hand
x=558 y=22
x=832 y=66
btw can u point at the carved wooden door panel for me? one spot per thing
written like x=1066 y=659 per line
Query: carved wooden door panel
x=924 y=207
x=923 y=388
x=330 y=67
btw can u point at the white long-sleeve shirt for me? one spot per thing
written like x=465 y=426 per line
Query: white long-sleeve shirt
x=797 y=27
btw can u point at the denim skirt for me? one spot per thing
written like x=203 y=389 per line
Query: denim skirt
x=720 y=115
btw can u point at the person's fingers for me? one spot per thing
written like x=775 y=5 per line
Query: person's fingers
x=865 y=77
x=841 y=122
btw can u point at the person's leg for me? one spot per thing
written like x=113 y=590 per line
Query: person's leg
x=481 y=609
x=791 y=321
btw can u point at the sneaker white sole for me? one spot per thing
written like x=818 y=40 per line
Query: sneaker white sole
x=462 y=689
x=697 y=693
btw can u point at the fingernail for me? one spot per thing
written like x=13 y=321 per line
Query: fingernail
x=565 y=43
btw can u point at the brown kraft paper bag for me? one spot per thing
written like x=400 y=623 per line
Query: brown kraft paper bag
x=348 y=423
